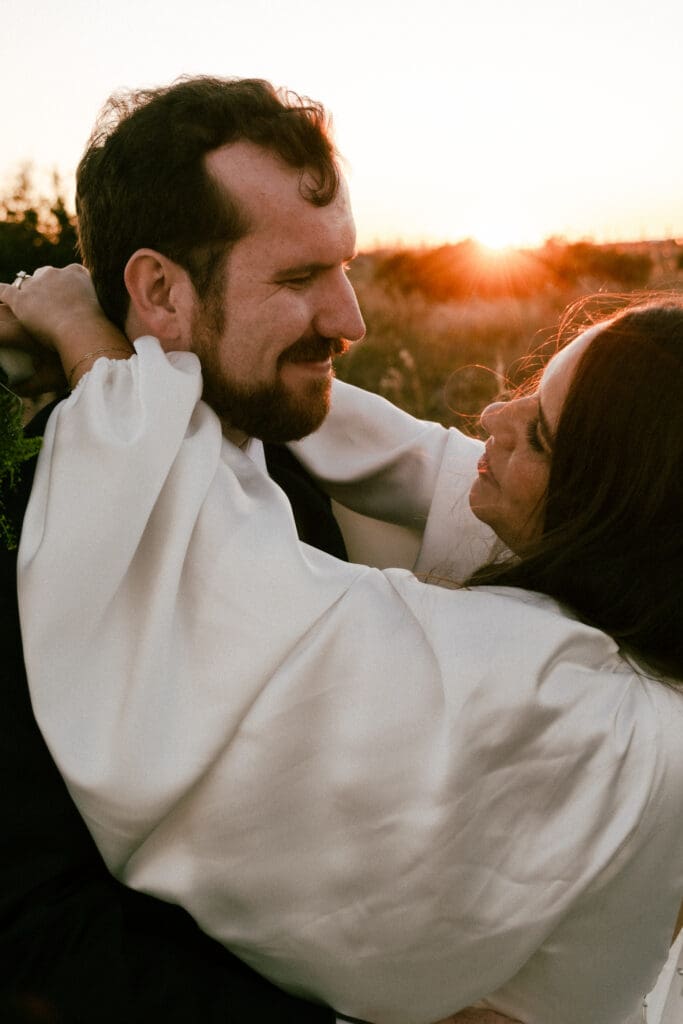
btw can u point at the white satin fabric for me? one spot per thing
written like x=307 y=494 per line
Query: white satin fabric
x=393 y=797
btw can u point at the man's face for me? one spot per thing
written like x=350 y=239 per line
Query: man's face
x=283 y=306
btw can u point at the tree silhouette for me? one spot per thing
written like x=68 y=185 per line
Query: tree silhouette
x=35 y=231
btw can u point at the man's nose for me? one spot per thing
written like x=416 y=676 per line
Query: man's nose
x=339 y=314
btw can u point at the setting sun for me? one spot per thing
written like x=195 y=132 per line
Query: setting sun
x=500 y=238
x=499 y=227
x=494 y=250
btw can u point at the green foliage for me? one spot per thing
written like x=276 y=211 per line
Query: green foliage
x=14 y=450
x=34 y=231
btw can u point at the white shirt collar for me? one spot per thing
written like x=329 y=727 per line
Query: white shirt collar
x=253 y=447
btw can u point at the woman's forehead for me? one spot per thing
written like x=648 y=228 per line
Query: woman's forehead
x=559 y=372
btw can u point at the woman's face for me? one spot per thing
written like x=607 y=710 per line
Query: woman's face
x=509 y=492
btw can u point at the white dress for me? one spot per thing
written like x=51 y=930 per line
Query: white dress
x=392 y=797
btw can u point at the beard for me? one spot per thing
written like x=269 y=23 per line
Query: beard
x=271 y=412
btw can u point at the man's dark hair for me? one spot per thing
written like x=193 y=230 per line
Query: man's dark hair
x=612 y=544
x=142 y=181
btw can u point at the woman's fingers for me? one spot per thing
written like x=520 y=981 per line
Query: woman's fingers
x=31 y=369
x=49 y=301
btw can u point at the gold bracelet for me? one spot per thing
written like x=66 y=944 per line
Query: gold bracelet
x=91 y=355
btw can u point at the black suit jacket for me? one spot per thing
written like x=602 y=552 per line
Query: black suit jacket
x=76 y=947
x=312 y=509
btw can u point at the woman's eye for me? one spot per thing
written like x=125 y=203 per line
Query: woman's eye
x=532 y=436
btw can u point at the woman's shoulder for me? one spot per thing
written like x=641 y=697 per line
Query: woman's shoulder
x=521 y=627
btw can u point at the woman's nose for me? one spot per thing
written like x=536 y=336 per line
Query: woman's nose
x=493 y=418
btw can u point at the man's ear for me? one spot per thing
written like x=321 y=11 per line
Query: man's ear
x=162 y=299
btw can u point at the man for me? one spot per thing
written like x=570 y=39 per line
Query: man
x=250 y=275
x=76 y=946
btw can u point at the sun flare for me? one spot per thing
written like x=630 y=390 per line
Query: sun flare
x=493 y=250
x=495 y=238
x=499 y=236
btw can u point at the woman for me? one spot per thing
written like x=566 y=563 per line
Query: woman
x=605 y=537
x=393 y=797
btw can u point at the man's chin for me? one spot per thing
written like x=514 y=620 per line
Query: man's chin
x=287 y=411
x=300 y=411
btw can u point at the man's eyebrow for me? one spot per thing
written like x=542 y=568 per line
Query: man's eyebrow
x=546 y=433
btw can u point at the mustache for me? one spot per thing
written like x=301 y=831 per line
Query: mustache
x=314 y=350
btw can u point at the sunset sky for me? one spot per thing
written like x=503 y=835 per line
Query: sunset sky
x=505 y=121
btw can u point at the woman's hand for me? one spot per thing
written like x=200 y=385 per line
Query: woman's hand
x=53 y=303
x=59 y=310
x=31 y=369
